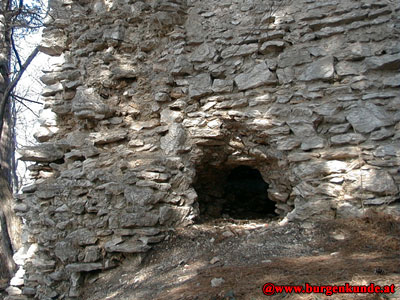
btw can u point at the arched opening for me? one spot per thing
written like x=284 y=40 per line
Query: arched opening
x=238 y=193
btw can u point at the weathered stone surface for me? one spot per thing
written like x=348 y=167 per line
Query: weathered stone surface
x=174 y=139
x=88 y=105
x=51 y=90
x=115 y=33
x=84 y=267
x=139 y=196
x=393 y=81
x=92 y=254
x=387 y=150
x=391 y=62
x=368 y=118
x=151 y=104
x=139 y=219
x=320 y=69
x=220 y=85
x=259 y=75
x=239 y=50
x=82 y=237
x=66 y=251
x=376 y=181
x=294 y=57
x=43 y=134
x=314 y=142
x=321 y=167
x=102 y=138
x=200 y=85
x=288 y=144
x=342 y=128
x=131 y=246
x=269 y=46
x=168 y=116
x=345 y=68
x=182 y=66
x=41 y=153
x=348 y=210
x=13 y=291
x=203 y=53
x=341 y=153
x=302 y=129
x=348 y=138
x=206 y=133
x=53 y=43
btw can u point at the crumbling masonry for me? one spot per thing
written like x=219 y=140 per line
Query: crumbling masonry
x=151 y=99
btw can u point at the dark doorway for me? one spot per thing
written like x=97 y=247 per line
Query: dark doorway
x=239 y=193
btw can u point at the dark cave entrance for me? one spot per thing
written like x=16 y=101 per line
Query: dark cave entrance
x=238 y=193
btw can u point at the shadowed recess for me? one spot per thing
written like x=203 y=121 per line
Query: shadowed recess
x=239 y=193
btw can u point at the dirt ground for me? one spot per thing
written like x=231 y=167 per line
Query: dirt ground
x=228 y=259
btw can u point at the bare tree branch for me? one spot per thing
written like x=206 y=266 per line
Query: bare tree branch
x=30 y=109
x=25 y=99
x=12 y=85
x=15 y=49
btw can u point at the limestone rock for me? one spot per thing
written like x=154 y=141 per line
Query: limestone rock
x=259 y=75
x=200 y=86
x=82 y=237
x=84 y=267
x=51 y=90
x=66 y=251
x=271 y=46
x=293 y=57
x=102 y=138
x=139 y=219
x=87 y=104
x=174 y=139
x=239 y=50
x=130 y=246
x=302 y=129
x=387 y=150
x=368 y=118
x=203 y=53
x=220 y=85
x=314 y=142
x=288 y=144
x=393 y=81
x=391 y=62
x=44 y=133
x=182 y=66
x=45 y=152
x=317 y=168
x=115 y=33
x=376 y=181
x=53 y=43
x=139 y=196
x=320 y=69
x=348 y=138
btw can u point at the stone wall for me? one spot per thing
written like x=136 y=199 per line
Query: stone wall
x=147 y=94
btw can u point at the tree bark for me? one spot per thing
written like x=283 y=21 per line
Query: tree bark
x=9 y=223
x=10 y=228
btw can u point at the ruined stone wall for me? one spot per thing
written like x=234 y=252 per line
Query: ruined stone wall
x=151 y=96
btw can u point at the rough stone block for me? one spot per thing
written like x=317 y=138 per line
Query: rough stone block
x=320 y=69
x=259 y=75
x=200 y=86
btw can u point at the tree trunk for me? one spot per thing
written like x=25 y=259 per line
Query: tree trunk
x=9 y=223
